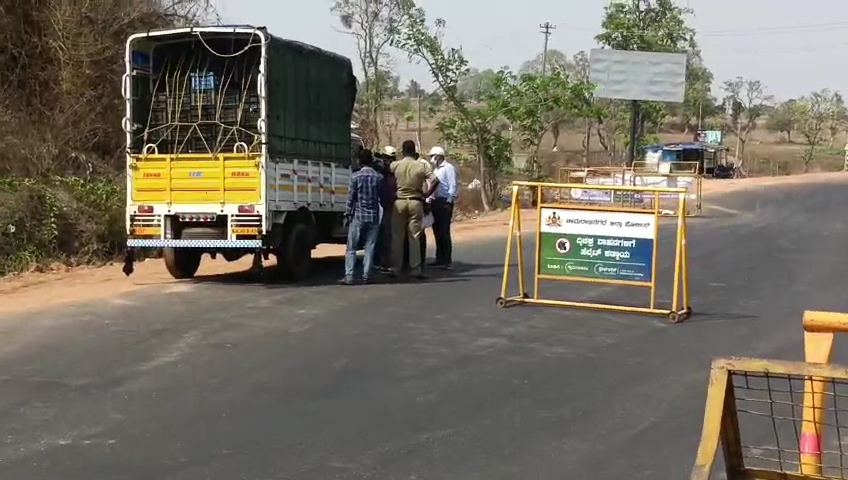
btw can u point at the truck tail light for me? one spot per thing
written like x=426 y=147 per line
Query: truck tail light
x=198 y=218
x=246 y=209
x=145 y=209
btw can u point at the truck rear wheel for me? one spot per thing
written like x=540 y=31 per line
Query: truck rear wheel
x=182 y=263
x=294 y=258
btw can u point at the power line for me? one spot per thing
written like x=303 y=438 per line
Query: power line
x=755 y=31
x=546 y=31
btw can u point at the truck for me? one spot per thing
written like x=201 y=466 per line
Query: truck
x=238 y=143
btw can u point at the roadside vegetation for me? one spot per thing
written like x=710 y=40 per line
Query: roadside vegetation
x=62 y=187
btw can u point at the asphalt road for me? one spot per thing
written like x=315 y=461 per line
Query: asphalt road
x=222 y=379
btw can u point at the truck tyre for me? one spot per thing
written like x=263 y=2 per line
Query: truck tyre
x=182 y=263
x=295 y=255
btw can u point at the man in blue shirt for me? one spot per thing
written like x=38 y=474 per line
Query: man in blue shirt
x=362 y=217
x=442 y=204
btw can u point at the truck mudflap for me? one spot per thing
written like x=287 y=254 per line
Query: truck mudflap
x=187 y=243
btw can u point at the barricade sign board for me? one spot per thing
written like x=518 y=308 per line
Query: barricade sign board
x=612 y=244
x=598 y=245
x=606 y=196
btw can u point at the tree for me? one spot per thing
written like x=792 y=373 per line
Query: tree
x=555 y=59
x=783 y=119
x=388 y=84
x=698 y=101
x=475 y=84
x=414 y=89
x=656 y=26
x=581 y=72
x=534 y=103
x=837 y=117
x=748 y=100
x=628 y=25
x=812 y=115
x=373 y=24
x=463 y=135
x=423 y=43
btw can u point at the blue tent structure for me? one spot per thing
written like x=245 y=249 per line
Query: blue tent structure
x=708 y=155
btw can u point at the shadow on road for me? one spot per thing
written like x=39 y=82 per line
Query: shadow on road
x=698 y=317
x=328 y=270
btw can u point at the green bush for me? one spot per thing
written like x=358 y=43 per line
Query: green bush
x=59 y=219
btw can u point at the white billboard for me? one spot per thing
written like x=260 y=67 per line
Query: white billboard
x=645 y=76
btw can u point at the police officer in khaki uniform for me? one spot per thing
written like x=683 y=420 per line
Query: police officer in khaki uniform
x=410 y=175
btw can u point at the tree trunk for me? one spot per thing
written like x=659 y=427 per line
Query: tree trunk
x=587 y=141
x=789 y=136
x=741 y=159
x=555 y=134
x=601 y=138
x=484 y=179
x=536 y=168
x=738 y=144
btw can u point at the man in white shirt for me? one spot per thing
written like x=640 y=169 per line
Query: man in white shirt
x=442 y=207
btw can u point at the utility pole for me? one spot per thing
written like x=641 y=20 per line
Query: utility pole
x=418 y=131
x=546 y=31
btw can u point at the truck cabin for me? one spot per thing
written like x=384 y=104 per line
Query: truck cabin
x=706 y=155
x=194 y=91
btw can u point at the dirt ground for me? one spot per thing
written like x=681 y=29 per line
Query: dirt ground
x=23 y=292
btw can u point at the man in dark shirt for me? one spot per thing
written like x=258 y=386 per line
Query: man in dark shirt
x=383 y=250
x=363 y=217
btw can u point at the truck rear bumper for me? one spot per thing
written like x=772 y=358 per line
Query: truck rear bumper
x=206 y=244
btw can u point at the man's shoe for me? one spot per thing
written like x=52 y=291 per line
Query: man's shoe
x=389 y=272
x=436 y=264
x=446 y=266
x=420 y=276
x=346 y=281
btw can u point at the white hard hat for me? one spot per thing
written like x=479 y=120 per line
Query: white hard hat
x=389 y=150
x=437 y=151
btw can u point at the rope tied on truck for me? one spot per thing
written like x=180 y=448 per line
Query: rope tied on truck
x=204 y=99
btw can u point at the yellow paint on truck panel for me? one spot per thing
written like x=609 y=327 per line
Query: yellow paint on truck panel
x=197 y=179
x=146 y=231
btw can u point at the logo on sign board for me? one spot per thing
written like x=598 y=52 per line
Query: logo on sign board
x=576 y=193
x=605 y=271
x=553 y=220
x=563 y=245
x=574 y=267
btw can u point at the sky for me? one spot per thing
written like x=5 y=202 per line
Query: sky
x=792 y=48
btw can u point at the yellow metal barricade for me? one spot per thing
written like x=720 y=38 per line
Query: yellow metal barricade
x=819 y=328
x=578 y=174
x=693 y=184
x=792 y=402
x=613 y=243
x=647 y=174
x=672 y=175
x=753 y=412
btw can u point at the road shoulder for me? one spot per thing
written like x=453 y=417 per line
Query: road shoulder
x=84 y=284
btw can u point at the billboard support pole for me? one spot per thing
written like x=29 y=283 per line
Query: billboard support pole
x=634 y=132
